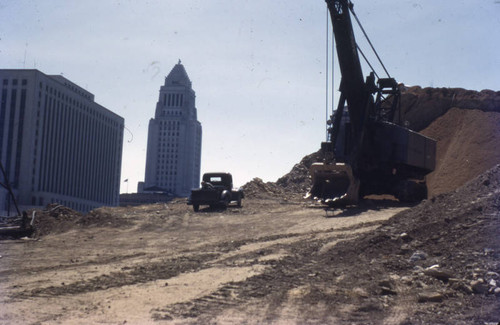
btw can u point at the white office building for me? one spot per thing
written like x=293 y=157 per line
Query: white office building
x=174 y=139
x=56 y=144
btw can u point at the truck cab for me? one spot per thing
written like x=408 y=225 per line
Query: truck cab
x=216 y=191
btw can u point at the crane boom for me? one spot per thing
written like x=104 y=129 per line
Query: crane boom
x=371 y=153
x=354 y=91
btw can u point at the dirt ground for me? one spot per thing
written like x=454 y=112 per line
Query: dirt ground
x=163 y=263
x=272 y=261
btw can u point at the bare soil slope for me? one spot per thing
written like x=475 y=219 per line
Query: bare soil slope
x=422 y=106
x=466 y=125
x=468 y=142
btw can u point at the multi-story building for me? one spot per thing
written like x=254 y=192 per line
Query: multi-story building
x=174 y=138
x=57 y=145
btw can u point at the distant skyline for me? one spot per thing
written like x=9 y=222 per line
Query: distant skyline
x=258 y=67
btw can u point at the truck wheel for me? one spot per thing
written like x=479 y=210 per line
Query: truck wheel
x=196 y=207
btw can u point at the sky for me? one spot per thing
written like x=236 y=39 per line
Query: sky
x=258 y=67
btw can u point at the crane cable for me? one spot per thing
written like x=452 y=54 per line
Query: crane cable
x=327 y=76
x=368 y=62
x=329 y=113
x=368 y=39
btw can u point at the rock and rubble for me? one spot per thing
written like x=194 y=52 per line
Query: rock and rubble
x=56 y=218
x=455 y=235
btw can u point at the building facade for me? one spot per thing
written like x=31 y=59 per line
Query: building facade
x=173 y=159
x=57 y=145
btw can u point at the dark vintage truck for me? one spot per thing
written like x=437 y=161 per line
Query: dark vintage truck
x=216 y=191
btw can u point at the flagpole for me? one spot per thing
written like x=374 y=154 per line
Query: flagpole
x=126 y=181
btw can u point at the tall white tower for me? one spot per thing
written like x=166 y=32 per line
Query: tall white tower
x=174 y=138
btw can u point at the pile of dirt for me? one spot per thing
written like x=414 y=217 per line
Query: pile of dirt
x=467 y=142
x=293 y=185
x=56 y=218
x=298 y=180
x=421 y=106
x=466 y=126
x=257 y=188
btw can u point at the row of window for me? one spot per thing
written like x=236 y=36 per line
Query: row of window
x=12 y=127
x=78 y=91
x=169 y=144
x=164 y=124
x=163 y=131
x=24 y=82
x=64 y=98
x=173 y=100
x=167 y=112
x=72 y=141
x=170 y=134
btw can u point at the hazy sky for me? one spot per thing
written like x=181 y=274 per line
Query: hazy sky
x=257 y=66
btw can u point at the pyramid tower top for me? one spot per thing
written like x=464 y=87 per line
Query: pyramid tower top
x=178 y=76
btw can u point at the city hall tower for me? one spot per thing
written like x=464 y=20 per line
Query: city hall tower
x=174 y=138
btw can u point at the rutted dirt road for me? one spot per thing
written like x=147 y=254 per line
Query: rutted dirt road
x=164 y=263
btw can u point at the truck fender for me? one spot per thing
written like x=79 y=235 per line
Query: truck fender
x=225 y=196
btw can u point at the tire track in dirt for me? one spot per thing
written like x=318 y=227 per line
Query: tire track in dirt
x=225 y=253
x=281 y=275
x=75 y=264
x=193 y=265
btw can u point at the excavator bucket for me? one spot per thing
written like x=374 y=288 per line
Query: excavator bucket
x=333 y=184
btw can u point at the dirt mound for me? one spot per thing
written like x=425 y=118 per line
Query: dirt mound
x=444 y=250
x=298 y=180
x=56 y=218
x=293 y=185
x=256 y=188
x=467 y=142
x=466 y=125
x=421 y=106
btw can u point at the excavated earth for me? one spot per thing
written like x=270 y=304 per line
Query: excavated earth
x=279 y=259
